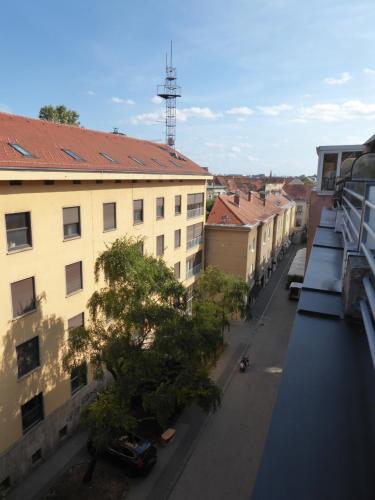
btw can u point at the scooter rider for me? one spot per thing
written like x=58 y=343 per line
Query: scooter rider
x=244 y=363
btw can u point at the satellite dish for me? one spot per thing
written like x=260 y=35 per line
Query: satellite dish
x=364 y=167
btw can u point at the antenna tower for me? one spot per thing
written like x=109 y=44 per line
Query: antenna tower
x=169 y=91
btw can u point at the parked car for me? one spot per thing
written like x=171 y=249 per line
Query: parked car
x=135 y=453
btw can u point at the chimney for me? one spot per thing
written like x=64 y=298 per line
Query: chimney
x=262 y=195
x=237 y=199
x=249 y=196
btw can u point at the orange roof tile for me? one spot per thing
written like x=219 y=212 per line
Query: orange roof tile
x=45 y=141
x=225 y=211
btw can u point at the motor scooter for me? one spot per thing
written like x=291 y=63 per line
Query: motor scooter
x=244 y=363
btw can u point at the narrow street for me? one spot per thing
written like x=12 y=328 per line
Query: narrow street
x=217 y=456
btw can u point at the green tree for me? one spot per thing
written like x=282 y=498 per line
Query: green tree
x=140 y=333
x=59 y=114
x=226 y=293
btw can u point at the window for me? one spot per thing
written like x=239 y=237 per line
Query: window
x=195 y=205
x=264 y=237
x=23 y=297
x=21 y=150
x=137 y=160
x=253 y=247
x=138 y=211
x=107 y=157
x=177 y=238
x=28 y=356
x=32 y=412
x=18 y=228
x=159 y=208
x=72 y=154
x=35 y=457
x=329 y=171
x=194 y=235
x=175 y=164
x=72 y=222
x=76 y=321
x=177 y=270
x=299 y=209
x=193 y=264
x=160 y=245
x=78 y=378
x=109 y=216
x=73 y=275
x=177 y=205
x=158 y=162
x=63 y=432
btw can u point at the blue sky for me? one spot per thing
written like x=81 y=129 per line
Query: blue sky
x=263 y=82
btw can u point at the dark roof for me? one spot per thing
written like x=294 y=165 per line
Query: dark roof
x=320 y=443
x=46 y=141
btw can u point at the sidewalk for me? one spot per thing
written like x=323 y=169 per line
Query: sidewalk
x=38 y=482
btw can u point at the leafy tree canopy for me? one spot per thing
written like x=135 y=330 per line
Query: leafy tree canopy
x=139 y=331
x=59 y=114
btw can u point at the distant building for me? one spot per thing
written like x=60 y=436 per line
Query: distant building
x=247 y=235
x=215 y=188
x=300 y=193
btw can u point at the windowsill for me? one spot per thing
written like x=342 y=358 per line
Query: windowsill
x=109 y=230
x=23 y=315
x=31 y=427
x=73 y=293
x=137 y=223
x=76 y=391
x=179 y=213
x=20 y=379
x=72 y=238
x=18 y=250
x=159 y=218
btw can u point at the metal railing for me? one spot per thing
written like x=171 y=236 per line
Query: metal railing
x=194 y=242
x=358 y=229
x=193 y=271
x=195 y=212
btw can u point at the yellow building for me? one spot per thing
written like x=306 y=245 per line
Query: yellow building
x=247 y=235
x=65 y=193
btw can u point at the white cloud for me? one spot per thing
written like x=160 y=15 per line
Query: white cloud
x=182 y=115
x=344 y=78
x=252 y=158
x=147 y=118
x=240 y=111
x=120 y=100
x=329 y=112
x=235 y=149
x=156 y=99
x=91 y=92
x=274 y=110
x=368 y=71
x=299 y=120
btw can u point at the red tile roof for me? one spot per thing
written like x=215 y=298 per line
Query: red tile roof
x=225 y=211
x=298 y=191
x=45 y=141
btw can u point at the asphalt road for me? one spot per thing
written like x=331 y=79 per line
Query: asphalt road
x=217 y=456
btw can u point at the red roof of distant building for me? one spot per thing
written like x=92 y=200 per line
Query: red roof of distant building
x=298 y=191
x=226 y=211
x=46 y=141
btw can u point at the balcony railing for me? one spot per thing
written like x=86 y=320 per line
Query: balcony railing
x=358 y=229
x=194 y=212
x=194 y=242
x=193 y=271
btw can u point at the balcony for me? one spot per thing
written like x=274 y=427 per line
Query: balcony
x=193 y=271
x=195 y=212
x=194 y=242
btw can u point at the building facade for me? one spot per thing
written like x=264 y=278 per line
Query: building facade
x=66 y=193
x=247 y=235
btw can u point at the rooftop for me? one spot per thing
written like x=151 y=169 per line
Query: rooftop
x=246 y=212
x=39 y=145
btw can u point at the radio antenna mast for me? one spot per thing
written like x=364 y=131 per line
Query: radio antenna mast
x=169 y=91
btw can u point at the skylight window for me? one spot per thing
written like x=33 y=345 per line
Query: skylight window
x=107 y=157
x=72 y=154
x=21 y=150
x=137 y=160
x=158 y=162
x=175 y=164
